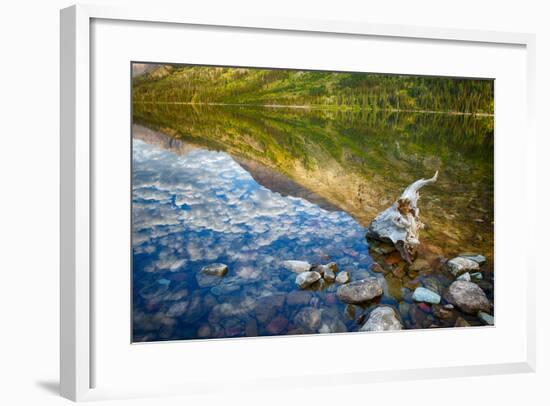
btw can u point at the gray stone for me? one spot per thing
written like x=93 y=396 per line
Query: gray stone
x=460 y=322
x=426 y=295
x=383 y=318
x=215 y=269
x=486 y=318
x=360 y=291
x=342 y=277
x=464 y=277
x=469 y=297
x=267 y=306
x=459 y=265
x=480 y=259
x=297 y=266
x=305 y=279
x=477 y=275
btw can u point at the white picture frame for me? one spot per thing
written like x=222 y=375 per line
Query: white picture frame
x=77 y=220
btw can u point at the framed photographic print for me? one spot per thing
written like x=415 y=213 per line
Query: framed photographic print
x=251 y=194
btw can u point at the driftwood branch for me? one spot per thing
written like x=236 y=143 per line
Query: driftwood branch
x=400 y=223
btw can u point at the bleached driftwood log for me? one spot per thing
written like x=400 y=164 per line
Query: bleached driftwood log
x=400 y=223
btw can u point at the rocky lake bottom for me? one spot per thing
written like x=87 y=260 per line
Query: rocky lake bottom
x=218 y=255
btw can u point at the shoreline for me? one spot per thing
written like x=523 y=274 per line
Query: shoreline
x=320 y=107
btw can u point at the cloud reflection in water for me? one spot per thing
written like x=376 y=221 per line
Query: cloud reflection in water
x=203 y=207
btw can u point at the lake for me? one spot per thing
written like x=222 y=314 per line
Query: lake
x=251 y=187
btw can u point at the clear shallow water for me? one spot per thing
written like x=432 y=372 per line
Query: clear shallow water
x=194 y=205
x=202 y=207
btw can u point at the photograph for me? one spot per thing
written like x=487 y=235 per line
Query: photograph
x=277 y=202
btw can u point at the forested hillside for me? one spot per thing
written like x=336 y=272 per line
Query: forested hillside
x=194 y=84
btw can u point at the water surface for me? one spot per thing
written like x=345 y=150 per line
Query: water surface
x=251 y=187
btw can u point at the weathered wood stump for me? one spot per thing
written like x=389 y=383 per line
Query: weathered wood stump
x=400 y=223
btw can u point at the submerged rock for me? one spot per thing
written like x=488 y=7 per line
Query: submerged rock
x=215 y=269
x=442 y=312
x=383 y=318
x=477 y=275
x=464 y=277
x=486 y=318
x=360 y=291
x=267 y=306
x=177 y=309
x=342 y=277
x=480 y=259
x=309 y=318
x=298 y=297
x=426 y=295
x=376 y=267
x=469 y=297
x=305 y=279
x=460 y=322
x=297 y=266
x=420 y=265
x=277 y=325
x=459 y=265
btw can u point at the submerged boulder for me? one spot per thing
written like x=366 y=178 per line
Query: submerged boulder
x=215 y=269
x=383 y=318
x=360 y=291
x=469 y=297
x=309 y=319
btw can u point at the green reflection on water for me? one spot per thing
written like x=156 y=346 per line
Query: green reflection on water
x=358 y=160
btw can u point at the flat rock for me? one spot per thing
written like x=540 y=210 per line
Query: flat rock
x=342 y=277
x=308 y=278
x=360 y=291
x=215 y=269
x=297 y=266
x=459 y=265
x=426 y=295
x=469 y=297
x=477 y=275
x=480 y=259
x=383 y=318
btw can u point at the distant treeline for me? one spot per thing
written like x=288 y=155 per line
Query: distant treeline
x=194 y=84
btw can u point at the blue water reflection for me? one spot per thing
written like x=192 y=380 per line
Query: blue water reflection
x=202 y=207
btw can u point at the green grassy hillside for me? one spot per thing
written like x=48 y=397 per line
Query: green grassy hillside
x=195 y=84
